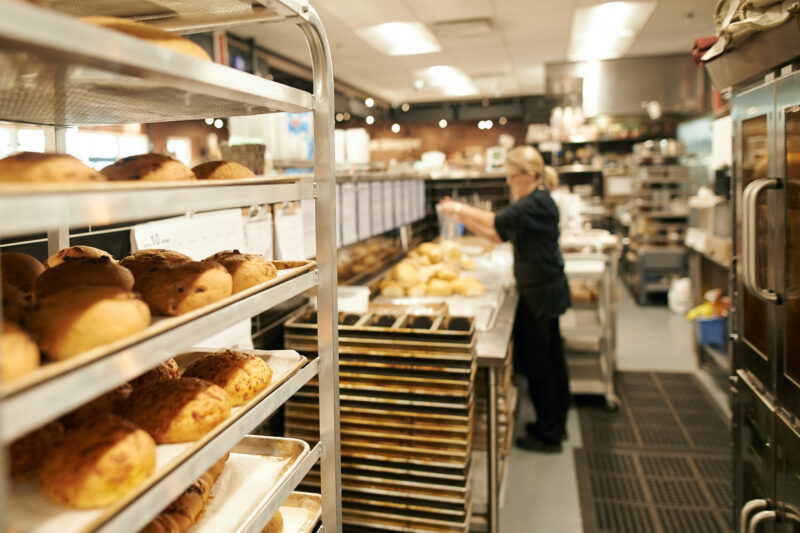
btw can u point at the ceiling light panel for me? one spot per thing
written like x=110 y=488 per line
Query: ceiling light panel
x=400 y=38
x=607 y=31
x=449 y=80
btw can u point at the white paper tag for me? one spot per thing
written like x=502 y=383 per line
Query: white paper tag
x=198 y=235
x=288 y=232
x=376 y=202
x=364 y=211
x=399 y=200
x=388 y=205
x=308 y=207
x=409 y=200
x=349 y=223
x=258 y=233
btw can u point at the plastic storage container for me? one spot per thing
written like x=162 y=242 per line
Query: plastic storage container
x=712 y=331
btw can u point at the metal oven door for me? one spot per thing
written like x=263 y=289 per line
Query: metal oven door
x=787 y=462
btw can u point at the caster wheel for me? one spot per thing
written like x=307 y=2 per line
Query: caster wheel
x=612 y=404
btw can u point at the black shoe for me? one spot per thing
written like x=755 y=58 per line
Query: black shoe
x=533 y=444
x=532 y=429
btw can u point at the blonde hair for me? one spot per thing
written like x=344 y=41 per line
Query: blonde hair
x=525 y=159
x=550 y=178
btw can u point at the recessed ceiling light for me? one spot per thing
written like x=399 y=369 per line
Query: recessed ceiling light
x=218 y=123
x=405 y=107
x=418 y=85
x=502 y=121
x=607 y=31
x=369 y=102
x=451 y=81
x=209 y=121
x=370 y=120
x=400 y=38
x=443 y=123
x=395 y=128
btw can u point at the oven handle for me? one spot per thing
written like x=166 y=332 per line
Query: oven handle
x=747 y=509
x=750 y=237
x=760 y=517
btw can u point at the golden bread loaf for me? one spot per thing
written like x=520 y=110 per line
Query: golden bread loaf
x=35 y=167
x=27 y=452
x=392 y=289
x=446 y=273
x=15 y=302
x=439 y=287
x=75 y=320
x=467 y=263
x=247 y=270
x=20 y=270
x=76 y=252
x=242 y=375
x=418 y=290
x=164 y=372
x=182 y=288
x=97 y=272
x=275 y=525
x=468 y=286
x=153 y=259
x=112 y=402
x=19 y=355
x=406 y=274
x=97 y=464
x=179 y=410
x=148 y=167
x=222 y=170
x=151 y=34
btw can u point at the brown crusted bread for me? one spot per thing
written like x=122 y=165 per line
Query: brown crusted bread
x=182 y=288
x=439 y=287
x=242 y=375
x=75 y=320
x=27 y=452
x=112 y=402
x=247 y=270
x=179 y=410
x=222 y=170
x=19 y=355
x=151 y=34
x=164 y=372
x=15 y=303
x=97 y=464
x=275 y=525
x=96 y=272
x=20 y=270
x=78 y=251
x=153 y=259
x=148 y=167
x=35 y=167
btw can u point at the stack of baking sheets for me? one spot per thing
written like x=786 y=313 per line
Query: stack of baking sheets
x=407 y=386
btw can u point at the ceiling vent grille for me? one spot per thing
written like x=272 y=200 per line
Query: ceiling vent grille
x=463 y=29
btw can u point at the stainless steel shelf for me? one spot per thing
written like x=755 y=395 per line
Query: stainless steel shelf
x=570 y=169
x=60 y=71
x=27 y=409
x=27 y=212
x=720 y=358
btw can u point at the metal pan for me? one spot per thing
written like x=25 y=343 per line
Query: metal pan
x=308 y=399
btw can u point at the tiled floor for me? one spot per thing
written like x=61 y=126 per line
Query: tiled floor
x=542 y=495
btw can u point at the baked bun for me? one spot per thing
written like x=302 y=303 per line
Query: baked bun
x=417 y=290
x=27 y=452
x=439 y=287
x=35 y=167
x=14 y=302
x=446 y=273
x=76 y=252
x=148 y=167
x=75 y=320
x=112 y=402
x=222 y=170
x=468 y=286
x=406 y=274
x=97 y=464
x=467 y=263
x=275 y=524
x=154 y=35
x=164 y=372
x=179 y=289
x=392 y=289
x=152 y=259
x=247 y=270
x=19 y=355
x=242 y=375
x=180 y=410
x=97 y=272
x=20 y=270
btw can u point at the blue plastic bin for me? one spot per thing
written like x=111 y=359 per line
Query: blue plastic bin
x=712 y=331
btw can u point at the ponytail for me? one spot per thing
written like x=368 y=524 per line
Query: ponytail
x=550 y=177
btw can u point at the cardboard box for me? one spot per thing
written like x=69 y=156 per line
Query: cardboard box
x=720 y=248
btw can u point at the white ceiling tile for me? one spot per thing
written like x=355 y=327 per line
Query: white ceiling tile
x=441 y=10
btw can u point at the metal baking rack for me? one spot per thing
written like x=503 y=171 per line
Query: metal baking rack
x=59 y=71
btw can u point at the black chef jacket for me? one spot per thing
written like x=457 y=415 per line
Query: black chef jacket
x=531 y=225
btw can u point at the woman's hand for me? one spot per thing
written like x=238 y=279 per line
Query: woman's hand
x=449 y=207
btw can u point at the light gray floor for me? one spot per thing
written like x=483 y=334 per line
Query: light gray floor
x=542 y=494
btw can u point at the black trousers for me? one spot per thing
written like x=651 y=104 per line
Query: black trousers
x=539 y=356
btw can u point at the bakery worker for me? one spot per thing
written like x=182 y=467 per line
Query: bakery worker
x=531 y=224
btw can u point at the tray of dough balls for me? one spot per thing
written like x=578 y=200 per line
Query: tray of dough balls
x=78 y=471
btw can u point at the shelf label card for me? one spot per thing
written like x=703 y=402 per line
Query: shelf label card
x=258 y=232
x=288 y=232
x=398 y=199
x=364 y=211
x=196 y=235
x=376 y=191
x=388 y=206
x=349 y=222
x=308 y=208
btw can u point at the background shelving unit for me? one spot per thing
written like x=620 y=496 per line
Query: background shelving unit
x=60 y=72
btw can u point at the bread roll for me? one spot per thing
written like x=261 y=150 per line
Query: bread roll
x=406 y=274
x=467 y=263
x=97 y=272
x=148 y=167
x=247 y=270
x=20 y=270
x=242 y=375
x=179 y=289
x=222 y=170
x=153 y=259
x=154 y=35
x=275 y=525
x=392 y=289
x=112 y=402
x=27 y=452
x=468 y=286
x=15 y=302
x=75 y=320
x=19 y=355
x=76 y=252
x=164 y=372
x=417 y=290
x=179 y=410
x=439 y=287
x=35 y=167
x=97 y=464
x=446 y=273
x=434 y=253
x=451 y=252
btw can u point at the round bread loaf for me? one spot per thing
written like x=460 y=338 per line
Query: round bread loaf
x=19 y=355
x=182 y=288
x=76 y=252
x=242 y=375
x=406 y=274
x=151 y=34
x=179 y=410
x=97 y=272
x=468 y=286
x=275 y=525
x=418 y=290
x=97 y=464
x=446 y=273
x=75 y=320
x=222 y=170
x=148 y=167
x=439 y=287
x=247 y=270
x=392 y=289
x=112 y=402
x=27 y=452
x=152 y=259
x=20 y=270
x=164 y=372
x=15 y=302
x=33 y=167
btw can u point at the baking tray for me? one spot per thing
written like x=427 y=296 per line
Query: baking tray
x=402 y=365
x=301 y=511
x=378 y=432
x=255 y=470
x=428 y=351
x=403 y=506
x=400 y=470
x=409 y=522
x=307 y=399
x=346 y=394
x=29 y=511
x=426 y=493
x=355 y=451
